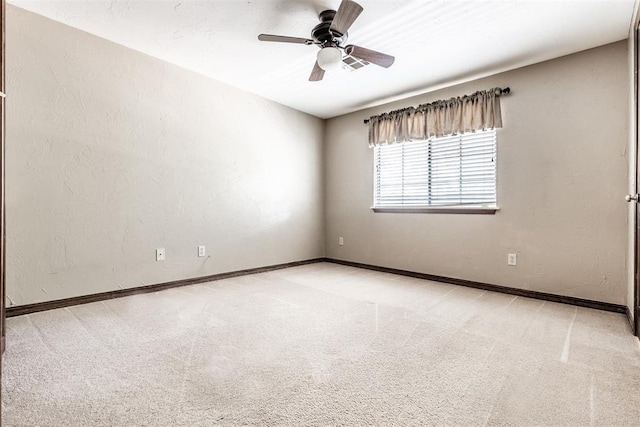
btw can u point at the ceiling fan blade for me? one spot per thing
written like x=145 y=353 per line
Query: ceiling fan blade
x=347 y=13
x=378 y=58
x=283 y=39
x=316 y=74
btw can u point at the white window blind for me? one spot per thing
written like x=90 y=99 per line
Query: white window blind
x=458 y=170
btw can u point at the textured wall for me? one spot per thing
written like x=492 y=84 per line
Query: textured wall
x=111 y=154
x=562 y=170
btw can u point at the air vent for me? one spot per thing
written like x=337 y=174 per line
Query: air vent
x=351 y=63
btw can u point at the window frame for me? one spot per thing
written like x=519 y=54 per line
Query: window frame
x=490 y=209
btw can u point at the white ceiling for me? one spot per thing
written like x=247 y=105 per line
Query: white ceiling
x=435 y=42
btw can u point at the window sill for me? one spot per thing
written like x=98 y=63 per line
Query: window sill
x=482 y=210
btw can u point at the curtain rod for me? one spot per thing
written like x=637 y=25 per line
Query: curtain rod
x=505 y=91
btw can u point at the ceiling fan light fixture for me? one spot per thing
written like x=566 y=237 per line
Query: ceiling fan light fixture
x=329 y=58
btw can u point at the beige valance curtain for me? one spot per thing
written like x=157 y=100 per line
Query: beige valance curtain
x=468 y=113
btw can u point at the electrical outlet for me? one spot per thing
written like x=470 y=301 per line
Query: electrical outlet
x=512 y=259
x=340 y=241
x=202 y=251
x=160 y=254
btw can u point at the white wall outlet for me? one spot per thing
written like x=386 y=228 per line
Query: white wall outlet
x=202 y=251
x=160 y=254
x=340 y=241
x=512 y=259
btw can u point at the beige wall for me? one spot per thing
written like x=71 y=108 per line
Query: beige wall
x=112 y=154
x=562 y=173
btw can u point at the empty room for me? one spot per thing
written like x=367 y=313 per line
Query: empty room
x=319 y=213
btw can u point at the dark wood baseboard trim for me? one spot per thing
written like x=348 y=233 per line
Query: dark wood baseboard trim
x=606 y=306
x=632 y=324
x=84 y=299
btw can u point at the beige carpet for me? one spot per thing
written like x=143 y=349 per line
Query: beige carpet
x=321 y=345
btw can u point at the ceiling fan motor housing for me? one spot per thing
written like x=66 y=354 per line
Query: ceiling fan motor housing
x=321 y=33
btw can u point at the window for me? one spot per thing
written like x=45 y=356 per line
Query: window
x=451 y=171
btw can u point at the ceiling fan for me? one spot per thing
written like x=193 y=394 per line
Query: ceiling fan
x=330 y=35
